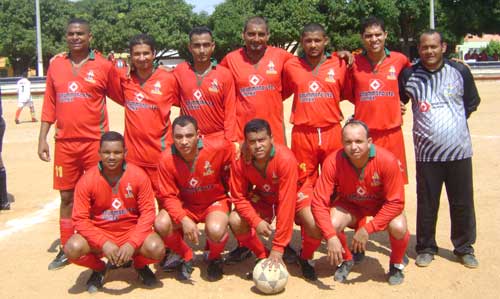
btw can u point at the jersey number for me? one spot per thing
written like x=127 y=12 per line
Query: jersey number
x=59 y=171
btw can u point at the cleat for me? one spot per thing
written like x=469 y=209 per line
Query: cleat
x=308 y=271
x=358 y=257
x=147 y=276
x=4 y=206
x=424 y=259
x=171 y=262
x=343 y=271
x=214 y=270
x=59 y=261
x=237 y=255
x=469 y=260
x=290 y=255
x=185 y=270
x=396 y=275
x=96 y=281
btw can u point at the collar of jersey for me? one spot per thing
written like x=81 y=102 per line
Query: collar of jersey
x=445 y=61
x=213 y=62
x=99 y=165
x=91 y=54
x=387 y=52
x=371 y=154
x=327 y=54
x=176 y=152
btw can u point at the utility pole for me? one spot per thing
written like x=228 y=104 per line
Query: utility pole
x=431 y=15
x=38 y=40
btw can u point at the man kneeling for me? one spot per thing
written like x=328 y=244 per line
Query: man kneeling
x=362 y=180
x=113 y=214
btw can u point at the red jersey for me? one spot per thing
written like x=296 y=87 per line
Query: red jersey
x=194 y=185
x=374 y=91
x=259 y=88
x=274 y=188
x=378 y=189
x=75 y=99
x=101 y=210
x=317 y=92
x=147 y=115
x=210 y=99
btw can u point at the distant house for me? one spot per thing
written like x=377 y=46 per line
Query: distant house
x=475 y=43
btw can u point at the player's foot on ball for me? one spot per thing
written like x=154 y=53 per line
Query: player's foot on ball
x=343 y=271
x=396 y=275
x=147 y=276
x=214 y=270
x=60 y=261
x=96 y=281
x=170 y=262
x=290 y=255
x=469 y=260
x=185 y=270
x=237 y=255
x=308 y=271
x=358 y=257
x=424 y=259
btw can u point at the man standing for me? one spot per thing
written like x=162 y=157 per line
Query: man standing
x=4 y=199
x=363 y=180
x=75 y=100
x=24 y=98
x=193 y=190
x=113 y=215
x=372 y=87
x=443 y=95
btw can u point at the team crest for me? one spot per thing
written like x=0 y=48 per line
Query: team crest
x=214 y=86
x=376 y=179
x=157 y=88
x=303 y=167
x=139 y=97
x=301 y=196
x=276 y=179
x=330 y=76
x=392 y=73
x=129 y=190
x=207 y=169
x=90 y=77
x=271 y=69
x=116 y=204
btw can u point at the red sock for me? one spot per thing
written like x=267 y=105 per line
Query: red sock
x=216 y=248
x=252 y=241
x=91 y=261
x=398 y=248
x=347 y=255
x=66 y=229
x=141 y=261
x=18 y=113
x=176 y=242
x=309 y=246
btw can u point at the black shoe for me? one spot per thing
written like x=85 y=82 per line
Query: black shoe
x=147 y=276
x=214 y=270
x=343 y=271
x=424 y=259
x=358 y=257
x=290 y=255
x=396 y=275
x=171 y=262
x=96 y=281
x=237 y=255
x=185 y=270
x=4 y=206
x=60 y=261
x=308 y=271
x=469 y=260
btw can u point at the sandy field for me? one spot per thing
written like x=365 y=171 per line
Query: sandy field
x=29 y=232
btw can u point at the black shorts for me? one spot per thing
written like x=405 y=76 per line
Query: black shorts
x=2 y=131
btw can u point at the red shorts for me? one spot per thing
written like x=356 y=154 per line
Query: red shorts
x=118 y=239
x=311 y=146
x=152 y=173
x=393 y=141
x=200 y=214
x=359 y=212
x=71 y=159
x=304 y=197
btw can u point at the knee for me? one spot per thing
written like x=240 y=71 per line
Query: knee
x=216 y=231
x=154 y=248
x=398 y=228
x=66 y=198
x=74 y=248
x=238 y=225
x=163 y=224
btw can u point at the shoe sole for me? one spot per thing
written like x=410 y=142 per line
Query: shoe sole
x=57 y=267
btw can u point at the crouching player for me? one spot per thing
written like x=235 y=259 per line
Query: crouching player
x=192 y=191
x=363 y=180
x=264 y=187
x=113 y=213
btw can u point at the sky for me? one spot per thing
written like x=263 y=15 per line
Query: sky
x=206 y=5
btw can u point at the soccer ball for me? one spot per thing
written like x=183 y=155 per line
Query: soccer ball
x=269 y=281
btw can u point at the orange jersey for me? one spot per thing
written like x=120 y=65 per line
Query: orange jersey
x=317 y=92
x=210 y=99
x=259 y=88
x=377 y=189
x=147 y=115
x=102 y=212
x=194 y=186
x=274 y=189
x=374 y=91
x=76 y=99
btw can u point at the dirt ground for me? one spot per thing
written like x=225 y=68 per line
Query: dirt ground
x=29 y=231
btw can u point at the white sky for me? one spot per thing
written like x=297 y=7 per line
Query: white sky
x=206 y=5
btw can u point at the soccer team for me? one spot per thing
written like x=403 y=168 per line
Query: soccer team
x=224 y=162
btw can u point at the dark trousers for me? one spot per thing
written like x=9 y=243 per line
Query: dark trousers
x=457 y=177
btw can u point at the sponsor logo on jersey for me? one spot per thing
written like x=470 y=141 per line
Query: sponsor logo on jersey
x=90 y=77
x=255 y=79
x=74 y=91
x=129 y=190
x=271 y=69
x=361 y=190
x=193 y=182
x=266 y=187
x=157 y=88
x=198 y=101
x=139 y=97
x=376 y=180
x=392 y=73
x=256 y=82
x=375 y=84
x=116 y=204
x=73 y=86
x=424 y=106
x=214 y=86
x=314 y=92
x=330 y=76
x=375 y=91
x=314 y=86
x=207 y=169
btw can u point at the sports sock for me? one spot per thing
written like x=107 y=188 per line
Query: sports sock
x=18 y=113
x=216 y=248
x=141 y=261
x=175 y=241
x=398 y=248
x=66 y=229
x=347 y=255
x=252 y=241
x=91 y=261
x=309 y=245
x=3 y=187
x=32 y=111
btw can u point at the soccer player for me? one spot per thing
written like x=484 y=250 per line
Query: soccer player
x=4 y=199
x=264 y=187
x=443 y=96
x=75 y=100
x=113 y=215
x=372 y=87
x=364 y=180
x=207 y=89
x=192 y=191
x=24 y=98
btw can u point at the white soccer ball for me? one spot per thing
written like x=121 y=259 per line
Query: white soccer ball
x=269 y=281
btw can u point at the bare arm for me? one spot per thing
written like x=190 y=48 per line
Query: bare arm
x=43 y=146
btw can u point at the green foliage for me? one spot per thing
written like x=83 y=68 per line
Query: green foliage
x=492 y=48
